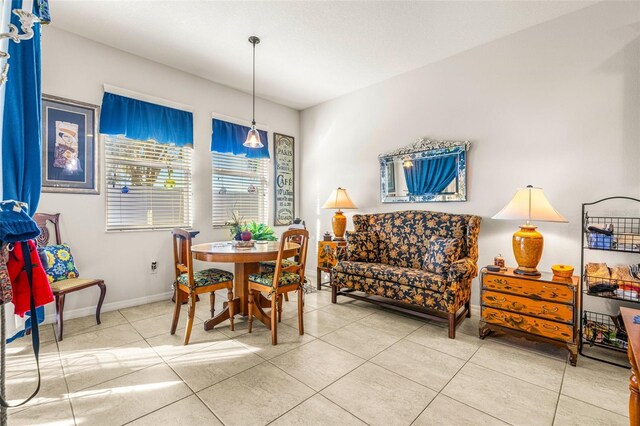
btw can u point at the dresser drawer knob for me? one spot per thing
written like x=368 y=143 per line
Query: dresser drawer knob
x=547 y=310
x=500 y=281
x=551 y=327
x=495 y=299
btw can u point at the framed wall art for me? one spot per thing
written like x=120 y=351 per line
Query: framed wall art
x=284 y=162
x=69 y=146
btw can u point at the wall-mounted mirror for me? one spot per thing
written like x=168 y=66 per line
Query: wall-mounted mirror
x=425 y=171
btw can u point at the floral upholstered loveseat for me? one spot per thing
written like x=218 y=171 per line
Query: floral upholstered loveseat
x=416 y=261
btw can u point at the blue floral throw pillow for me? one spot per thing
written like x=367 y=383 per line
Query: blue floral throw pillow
x=60 y=265
x=441 y=253
x=362 y=247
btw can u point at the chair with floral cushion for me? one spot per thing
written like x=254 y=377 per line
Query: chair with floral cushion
x=61 y=270
x=279 y=282
x=190 y=283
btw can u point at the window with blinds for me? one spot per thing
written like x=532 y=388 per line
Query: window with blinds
x=238 y=184
x=148 y=184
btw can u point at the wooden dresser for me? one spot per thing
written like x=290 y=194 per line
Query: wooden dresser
x=537 y=308
x=633 y=331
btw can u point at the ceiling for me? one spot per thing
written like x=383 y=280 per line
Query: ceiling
x=311 y=51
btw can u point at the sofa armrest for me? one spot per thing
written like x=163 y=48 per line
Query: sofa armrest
x=463 y=270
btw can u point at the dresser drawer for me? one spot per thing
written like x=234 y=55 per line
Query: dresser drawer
x=523 y=305
x=533 y=289
x=527 y=324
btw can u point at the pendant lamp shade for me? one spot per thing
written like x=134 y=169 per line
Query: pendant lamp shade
x=253 y=137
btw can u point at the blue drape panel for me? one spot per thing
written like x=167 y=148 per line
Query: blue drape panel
x=141 y=120
x=22 y=120
x=430 y=175
x=227 y=138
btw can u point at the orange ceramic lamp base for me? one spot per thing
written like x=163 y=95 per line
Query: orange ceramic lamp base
x=527 y=248
x=339 y=224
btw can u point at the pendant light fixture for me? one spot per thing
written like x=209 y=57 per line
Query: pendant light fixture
x=253 y=137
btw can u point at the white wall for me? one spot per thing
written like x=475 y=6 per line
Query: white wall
x=556 y=106
x=76 y=68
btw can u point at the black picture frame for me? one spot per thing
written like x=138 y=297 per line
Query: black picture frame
x=70 y=160
x=284 y=179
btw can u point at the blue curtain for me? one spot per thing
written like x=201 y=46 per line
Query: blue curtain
x=143 y=121
x=227 y=138
x=20 y=150
x=430 y=175
x=22 y=120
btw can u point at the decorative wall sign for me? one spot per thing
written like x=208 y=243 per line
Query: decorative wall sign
x=283 y=149
x=69 y=146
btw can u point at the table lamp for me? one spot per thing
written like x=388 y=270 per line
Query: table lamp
x=529 y=203
x=339 y=199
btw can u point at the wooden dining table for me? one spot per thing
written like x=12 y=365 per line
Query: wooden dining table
x=246 y=262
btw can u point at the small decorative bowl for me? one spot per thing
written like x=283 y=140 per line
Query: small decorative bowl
x=563 y=271
x=243 y=244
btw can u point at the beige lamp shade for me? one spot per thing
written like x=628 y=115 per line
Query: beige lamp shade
x=339 y=199
x=530 y=204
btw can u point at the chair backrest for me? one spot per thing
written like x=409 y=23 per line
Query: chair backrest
x=43 y=220
x=301 y=237
x=182 y=254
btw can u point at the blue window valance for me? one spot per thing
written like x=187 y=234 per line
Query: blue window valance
x=227 y=138
x=143 y=121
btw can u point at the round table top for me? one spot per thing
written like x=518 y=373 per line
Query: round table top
x=224 y=251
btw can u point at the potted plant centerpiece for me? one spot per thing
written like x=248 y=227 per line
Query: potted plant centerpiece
x=236 y=226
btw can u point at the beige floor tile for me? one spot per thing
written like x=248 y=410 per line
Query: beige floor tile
x=511 y=400
x=170 y=346
x=187 y=411
x=348 y=310
x=55 y=413
x=213 y=364
x=318 y=299
x=47 y=333
x=88 y=368
x=444 y=411
x=267 y=390
x=259 y=341
x=525 y=365
x=470 y=325
x=52 y=388
x=360 y=340
x=20 y=358
x=463 y=346
x=137 y=313
x=128 y=397
x=317 y=411
x=100 y=339
x=154 y=326
x=599 y=384
x=240 y=327
x=318 y=323
x=572 y=412
x=88 y=323
x=392 y=323
x=378 y=396
x=317 y=364
x=541 y=348
x=426 y=366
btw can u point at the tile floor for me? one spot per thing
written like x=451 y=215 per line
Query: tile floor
x=356 y=364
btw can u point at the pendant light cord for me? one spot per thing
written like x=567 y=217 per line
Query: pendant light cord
x=253 y=117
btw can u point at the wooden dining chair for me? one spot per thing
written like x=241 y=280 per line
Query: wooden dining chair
x=63 y=287
x=280 y=282
x=190 y=283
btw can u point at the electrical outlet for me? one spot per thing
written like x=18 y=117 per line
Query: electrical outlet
x=154 y=267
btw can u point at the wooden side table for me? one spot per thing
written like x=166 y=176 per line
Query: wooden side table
x=327 y=259
x=633 y=331
x=536 y=308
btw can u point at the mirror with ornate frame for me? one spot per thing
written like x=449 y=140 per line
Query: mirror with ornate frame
x=425 y=171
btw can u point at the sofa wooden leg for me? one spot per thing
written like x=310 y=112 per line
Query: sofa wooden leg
x=468 y=307
x=452 y=326
x=334 y=293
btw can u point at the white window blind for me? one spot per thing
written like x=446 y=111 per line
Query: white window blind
x=238 y=184
x=148 y=184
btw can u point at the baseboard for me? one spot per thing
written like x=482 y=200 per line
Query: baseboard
x=113 y=306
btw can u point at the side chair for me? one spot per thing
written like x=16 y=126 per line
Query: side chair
x=63 y=287
x=279 y=282
x=190 y=283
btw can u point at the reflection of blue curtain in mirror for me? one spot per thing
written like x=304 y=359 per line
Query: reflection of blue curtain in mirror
x=430 y=175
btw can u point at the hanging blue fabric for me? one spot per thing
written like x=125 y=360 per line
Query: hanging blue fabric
x=21 y=129
x=430 y=175
x=227 y=138
x=143 y=121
